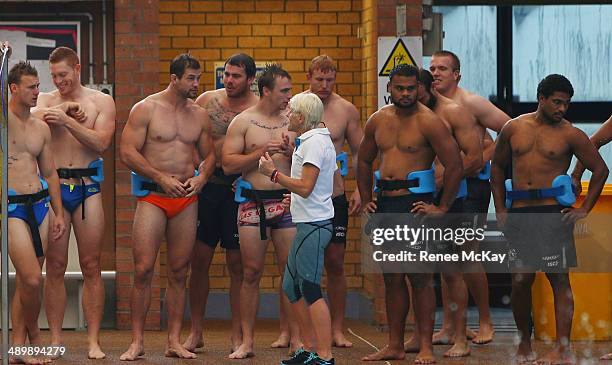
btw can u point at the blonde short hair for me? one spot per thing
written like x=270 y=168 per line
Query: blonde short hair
x=323 y=63
x=310 y=107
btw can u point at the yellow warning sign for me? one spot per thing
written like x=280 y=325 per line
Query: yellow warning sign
x=398 y=56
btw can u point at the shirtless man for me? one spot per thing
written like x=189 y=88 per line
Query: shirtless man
x=540 y=147
x=80 y=134
x=446 y=71
x=409 y=137
x=28 y=226
x=468 y=134
x=259 y=129
x=217 y=209
x=158 y=143
x=342 y=119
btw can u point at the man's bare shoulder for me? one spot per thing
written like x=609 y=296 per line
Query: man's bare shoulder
x=451 y=107
x=190 y=104
x=246 y=116
x=194 y=108
x=446 y=108
x=426 y=116
x=523 y=118
x=380 y=117
x=568 y=127
x=387 y=111
x=147 y=105
x=342 y=104
x=209 y=95
x=249 y=112
x=475 y=103
x=522 y=121
x=467 y=97
x=93 y=93
x=37 y=121
x=424 y=112
x=97 y=96
x=48 y=99
x=40 y=125
x=153 y=99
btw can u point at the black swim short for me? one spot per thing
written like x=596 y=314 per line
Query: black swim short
x=454 y=219
x=340 y=219
x=477 y=201
x=217 y=212
x=386 y=217
x=538 y=240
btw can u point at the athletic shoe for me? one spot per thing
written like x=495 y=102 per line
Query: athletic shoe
x=299 y=357
x=316 y=360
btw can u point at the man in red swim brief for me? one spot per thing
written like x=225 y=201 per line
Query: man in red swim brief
x=158 y=142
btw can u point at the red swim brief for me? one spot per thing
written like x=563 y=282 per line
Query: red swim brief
x=170 y=206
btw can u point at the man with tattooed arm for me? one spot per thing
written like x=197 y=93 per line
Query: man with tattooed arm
x=217 y=209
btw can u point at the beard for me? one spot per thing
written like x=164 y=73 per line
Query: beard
x=398 y=104
x=188 y=94
x=238 y=92
x=554 y=117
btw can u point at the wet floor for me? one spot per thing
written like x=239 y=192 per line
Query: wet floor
x=217 y=347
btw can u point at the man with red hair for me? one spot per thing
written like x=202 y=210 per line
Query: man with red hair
x=82 y=122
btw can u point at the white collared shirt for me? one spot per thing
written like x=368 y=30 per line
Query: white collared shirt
x=314 y=147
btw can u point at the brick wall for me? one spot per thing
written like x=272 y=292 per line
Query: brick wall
x=136 y=73
x=291 y=32
x=373 y=286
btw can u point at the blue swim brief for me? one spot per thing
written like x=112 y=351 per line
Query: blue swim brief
x=74 y=195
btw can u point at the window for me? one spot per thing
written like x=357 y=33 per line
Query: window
x=572 y=40
x=470 y=33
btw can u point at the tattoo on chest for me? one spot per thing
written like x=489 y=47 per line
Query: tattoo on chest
x=270 y=127
x=220 y=117
x=12 y=159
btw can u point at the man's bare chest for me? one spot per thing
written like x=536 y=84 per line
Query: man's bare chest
x=337 y=129
x=168 y=127
x=260 y=132
x=88 y=105
x=220 y=117
x=407 y=139
x=25 y=140
x=538 y=143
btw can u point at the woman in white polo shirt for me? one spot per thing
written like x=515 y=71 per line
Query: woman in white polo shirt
x=311 y=185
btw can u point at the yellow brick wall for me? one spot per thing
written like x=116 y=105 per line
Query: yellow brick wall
x=369 y=59
x=371 y=282
x=291 y=32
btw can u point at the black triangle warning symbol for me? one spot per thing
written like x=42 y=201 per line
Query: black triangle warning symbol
x=398 y=56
